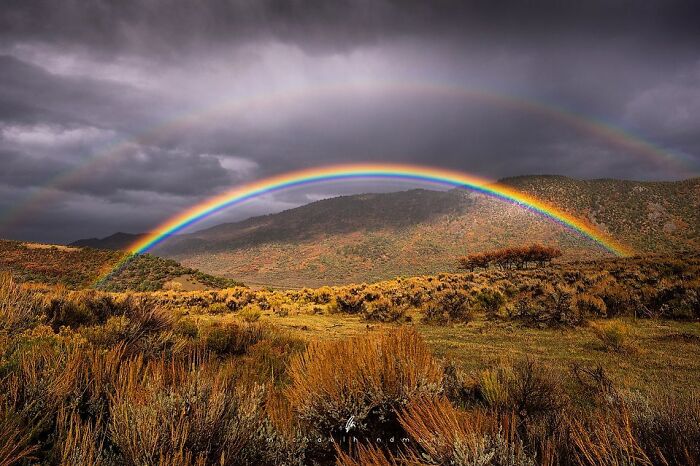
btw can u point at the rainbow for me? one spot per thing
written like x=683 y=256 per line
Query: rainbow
x=368 y=171
x=612 y=135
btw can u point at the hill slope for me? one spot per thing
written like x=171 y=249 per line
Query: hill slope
x=376 y=236
x=118 y=241
x=82 y=267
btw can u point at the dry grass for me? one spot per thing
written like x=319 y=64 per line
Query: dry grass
x=181 y=378
x=367 y=379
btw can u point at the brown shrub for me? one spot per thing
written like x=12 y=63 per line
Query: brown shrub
x=367 y=378
x=613 y=336
x=16 y=438
x=18 y=308
x=447 y=307
x=445 y=435
x=232 y=338
x=383 y=310
x=163 y=414
x=80 y=443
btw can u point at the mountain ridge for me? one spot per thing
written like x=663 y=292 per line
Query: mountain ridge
x=373 y=236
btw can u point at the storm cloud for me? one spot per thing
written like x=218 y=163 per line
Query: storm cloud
x=116 y=114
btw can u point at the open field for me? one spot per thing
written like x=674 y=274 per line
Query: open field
x=665 y=355
x=587 y=363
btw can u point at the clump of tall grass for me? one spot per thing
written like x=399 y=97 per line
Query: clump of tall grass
x=165 y=414
x=367 y=379
x=232 y=338
x=18 y=306
x=613 y=336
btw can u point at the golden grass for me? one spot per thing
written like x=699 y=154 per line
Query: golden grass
x=184 y=378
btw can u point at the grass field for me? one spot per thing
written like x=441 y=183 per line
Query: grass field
x=594 y=363
x=662 y=354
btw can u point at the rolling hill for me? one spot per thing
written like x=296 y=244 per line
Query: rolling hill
x=370 y=237
x=77 y=268
x=117 y=241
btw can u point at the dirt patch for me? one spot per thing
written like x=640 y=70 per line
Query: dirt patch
x=185 y=283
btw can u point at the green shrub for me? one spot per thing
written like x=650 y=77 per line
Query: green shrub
x=187 y=327
x=218 y=308
x=526 y=388
x=490 y=301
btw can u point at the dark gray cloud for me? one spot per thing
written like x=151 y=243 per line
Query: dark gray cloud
x=165 y=102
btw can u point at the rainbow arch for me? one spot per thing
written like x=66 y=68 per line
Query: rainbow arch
x=369 y=171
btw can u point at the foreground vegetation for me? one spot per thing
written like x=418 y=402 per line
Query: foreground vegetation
x=590 y=363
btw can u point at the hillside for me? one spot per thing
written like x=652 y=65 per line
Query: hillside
x=371 y=237
x=78 y=268
x=118 y=241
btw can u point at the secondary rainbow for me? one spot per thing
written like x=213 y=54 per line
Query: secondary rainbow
x=115 y=153
x=387 y=171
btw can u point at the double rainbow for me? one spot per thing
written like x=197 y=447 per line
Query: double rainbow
x=370 y=171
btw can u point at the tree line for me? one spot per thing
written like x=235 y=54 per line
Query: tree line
x=520 y=257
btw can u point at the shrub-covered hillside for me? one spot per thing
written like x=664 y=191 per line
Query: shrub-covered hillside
x=82 y=267
x=373 y=237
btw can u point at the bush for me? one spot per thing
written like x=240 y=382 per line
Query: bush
x=490 y=301
x=251 y=314
x=171 y=416
x=448 y=307
x=187 y=327
x=442 y=434
x=679 y=301
x=231 y=338
x=18 y=307
x=384 y=310
x=218 y=308
x=526 y=388
x=77 y=308
x=348 y=302
x=367 y=378
x=613 y=336
x=549 y=306
x=619 y=301
x=590 y=305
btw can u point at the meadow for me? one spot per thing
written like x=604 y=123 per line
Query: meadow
x=594 y=363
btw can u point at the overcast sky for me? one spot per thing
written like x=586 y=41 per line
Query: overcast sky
x=165 y=102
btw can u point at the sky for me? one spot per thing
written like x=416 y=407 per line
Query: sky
x=115 y=115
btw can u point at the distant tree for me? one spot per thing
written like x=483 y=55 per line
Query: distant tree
x=511 y=258
x=474 y=261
